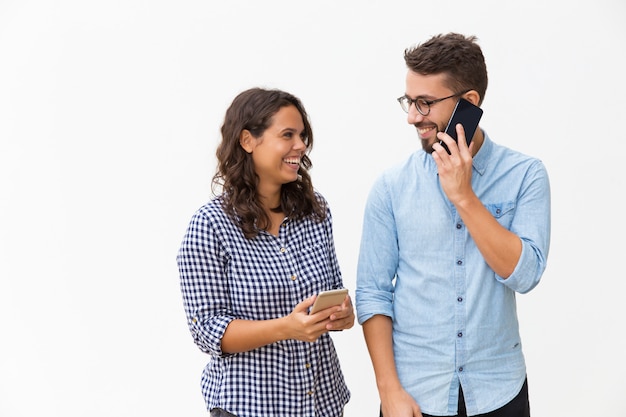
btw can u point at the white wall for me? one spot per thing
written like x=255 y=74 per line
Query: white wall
x=109 y=117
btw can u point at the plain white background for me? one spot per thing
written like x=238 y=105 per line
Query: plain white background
x=109 y=118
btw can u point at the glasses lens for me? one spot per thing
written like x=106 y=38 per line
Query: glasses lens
x=404 y=103
x=422 y=106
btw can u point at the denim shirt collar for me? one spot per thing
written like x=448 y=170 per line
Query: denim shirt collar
x=479 y=162
x=482 y=157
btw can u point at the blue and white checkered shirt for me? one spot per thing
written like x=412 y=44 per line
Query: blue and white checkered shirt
x=225 y=276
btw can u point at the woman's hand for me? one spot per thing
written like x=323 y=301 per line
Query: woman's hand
x=342 y=317
x=309 y=327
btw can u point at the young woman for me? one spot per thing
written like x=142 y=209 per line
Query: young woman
x=252 y=263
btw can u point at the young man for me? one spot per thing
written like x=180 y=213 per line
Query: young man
x=448 y=239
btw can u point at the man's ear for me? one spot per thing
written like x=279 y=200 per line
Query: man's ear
x=245 y=140
x=472 y=96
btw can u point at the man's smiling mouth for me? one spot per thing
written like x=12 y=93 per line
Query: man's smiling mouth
x=422 y=130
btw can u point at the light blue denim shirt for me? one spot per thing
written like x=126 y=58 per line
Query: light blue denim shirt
x=454 y=318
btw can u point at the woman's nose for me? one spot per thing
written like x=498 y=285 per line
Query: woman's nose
x=299 y=144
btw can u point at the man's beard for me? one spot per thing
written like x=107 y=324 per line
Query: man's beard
x=426 y=145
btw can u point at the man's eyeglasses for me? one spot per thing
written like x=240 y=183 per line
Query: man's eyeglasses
x=421 y=104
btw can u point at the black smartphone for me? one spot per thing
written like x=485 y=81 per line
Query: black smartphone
x=468 y=115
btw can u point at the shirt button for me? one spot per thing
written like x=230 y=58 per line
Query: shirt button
x=459 y=262
x=195 y=320
x=307 y=366
x=282 y=250
x=460 y=369
x=460 y=299
x=498 y=211
x=458 y=225
x=460 y=334
x=309 y=392
x=293 y=277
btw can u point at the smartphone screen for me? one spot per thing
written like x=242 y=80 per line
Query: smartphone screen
x=468 y=115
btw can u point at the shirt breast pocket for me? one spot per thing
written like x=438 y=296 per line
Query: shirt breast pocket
x=502 y=212
x=314 y=267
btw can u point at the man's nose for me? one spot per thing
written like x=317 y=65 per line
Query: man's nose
x=413 y=116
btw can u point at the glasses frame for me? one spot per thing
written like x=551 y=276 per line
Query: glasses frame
x=428 y=102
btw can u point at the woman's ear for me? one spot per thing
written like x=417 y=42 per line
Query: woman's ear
x=245 y=140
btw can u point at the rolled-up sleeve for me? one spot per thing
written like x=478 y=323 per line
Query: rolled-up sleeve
x=378 y=256
x=532 y=224
x=202 y=262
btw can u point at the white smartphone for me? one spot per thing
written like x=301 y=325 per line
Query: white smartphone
x=328 y=298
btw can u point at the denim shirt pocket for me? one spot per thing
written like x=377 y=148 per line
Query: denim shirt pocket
x=502 y=212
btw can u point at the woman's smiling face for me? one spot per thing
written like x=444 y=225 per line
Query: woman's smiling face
x=277 y=152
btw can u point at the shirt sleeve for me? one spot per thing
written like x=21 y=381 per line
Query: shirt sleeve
x=378 y=256
x=202 y=263
x=532 y=224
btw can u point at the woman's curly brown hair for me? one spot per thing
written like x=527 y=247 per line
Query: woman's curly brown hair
x=253 y=110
